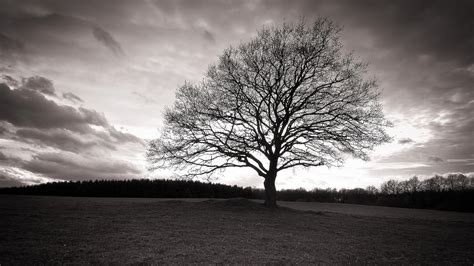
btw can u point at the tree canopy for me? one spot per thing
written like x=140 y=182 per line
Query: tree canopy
x=289 y=97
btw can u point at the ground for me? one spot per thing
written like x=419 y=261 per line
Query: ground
x=51 y=230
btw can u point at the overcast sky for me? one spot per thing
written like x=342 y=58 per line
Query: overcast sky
x=84 y=83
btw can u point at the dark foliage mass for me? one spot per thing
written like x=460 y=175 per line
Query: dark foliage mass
x=134 y=188
x=454 y=192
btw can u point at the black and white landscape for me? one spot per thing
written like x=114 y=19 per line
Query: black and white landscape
x=332 y=132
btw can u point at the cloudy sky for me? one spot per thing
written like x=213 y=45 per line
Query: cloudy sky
x=84 y=83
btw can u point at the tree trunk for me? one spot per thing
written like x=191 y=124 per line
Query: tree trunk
x=270 y=192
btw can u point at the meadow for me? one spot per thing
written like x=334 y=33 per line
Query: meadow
x=57 y=230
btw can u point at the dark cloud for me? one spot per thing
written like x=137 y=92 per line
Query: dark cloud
x=435 y=159
x=72 y=97
x=53 y=34
x=63 y=139
x=108 y=40
x=40 y=84
x=405 y=141
x=9 y=45
x=11 y=51
x=10 y=81
x=43 y=33
x=3 y=157
x=26 y=107
x=29 y=108
x=438 y=28
x=72 y=166
x=209 y=36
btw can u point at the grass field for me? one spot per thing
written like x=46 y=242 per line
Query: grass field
x=39 y=230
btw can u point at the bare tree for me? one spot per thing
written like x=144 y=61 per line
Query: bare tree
x=390 y=187
x=414 y=184
x=289 y=97
x=372 y=190
x=404 y=186
x=434 y=183
x=456 y=182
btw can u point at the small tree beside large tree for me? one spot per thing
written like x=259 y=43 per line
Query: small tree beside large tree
x=289 y=97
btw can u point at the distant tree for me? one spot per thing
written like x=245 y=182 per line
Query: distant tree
x=390 y=187
x=457 y=182
x=403 y=186
x=434 y=183
x=289 y=97
x=372 y=190
x=414 y=184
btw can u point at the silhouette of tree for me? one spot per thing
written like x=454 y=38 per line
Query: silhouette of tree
x=410 y=185
x=434 y=183
x=457 y=182
x=289 y=97
x=390 y=187
x=403 y=187
x=372 y=190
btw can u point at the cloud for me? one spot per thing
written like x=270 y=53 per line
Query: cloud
x=72 y=166
x=405 y=141
x=64 y=139
x=9 y=45
x=25 y=107
x=123 y=136
x=143 y=98
x=10 y=81
x=3 y=157
x=3 y=128
x=72 y=97
x=63 y=142
x=108 y=40
x=40 y=84
x=209 y=36
x=14 y=176
x=435 y=159
x=11 y=51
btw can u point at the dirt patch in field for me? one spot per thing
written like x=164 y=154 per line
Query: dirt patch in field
x=49 y=230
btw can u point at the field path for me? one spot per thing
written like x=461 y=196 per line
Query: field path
x=380 y=211
x=348 y=209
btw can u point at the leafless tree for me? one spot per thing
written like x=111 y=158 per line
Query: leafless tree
x=289 y=97
x=403 y=186
x=414 y=184
x=372 y=190
x=390 y=187
x=434 y=183
x=456 y=182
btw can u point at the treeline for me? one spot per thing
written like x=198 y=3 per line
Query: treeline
x=437 y=183
x=136 y=188
x=454 y=192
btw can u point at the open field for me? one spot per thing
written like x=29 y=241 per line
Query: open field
x=122 y=230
